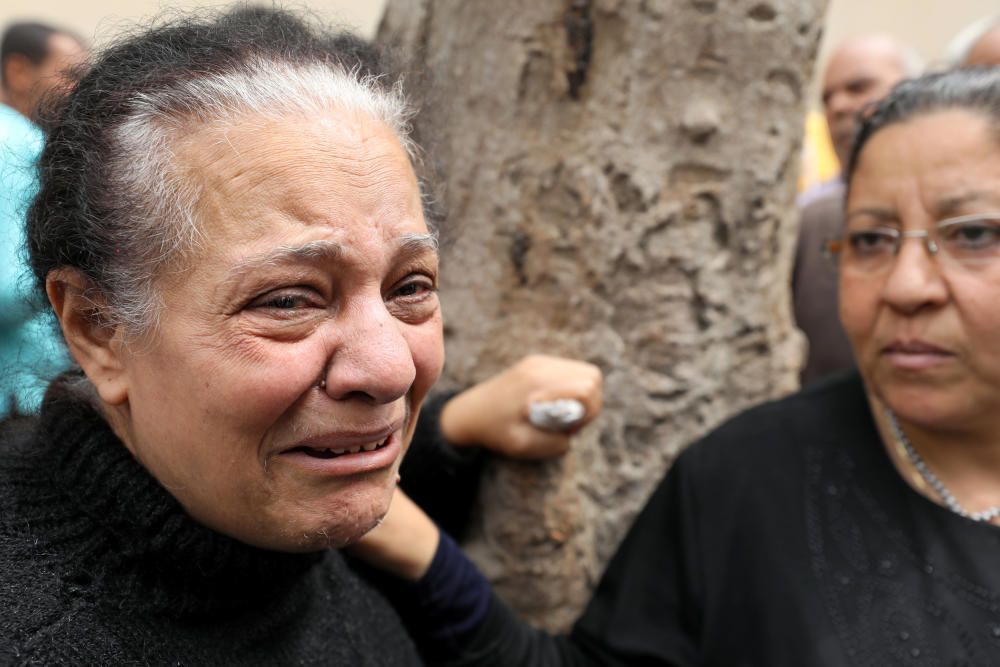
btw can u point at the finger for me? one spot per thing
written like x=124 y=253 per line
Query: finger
x=534 y=444
x=592 y=397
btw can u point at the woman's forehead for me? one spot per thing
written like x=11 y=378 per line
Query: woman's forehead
x=331 y=170
x=254 y=148
x=936 y=160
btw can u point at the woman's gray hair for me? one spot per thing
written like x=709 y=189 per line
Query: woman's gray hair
x=113 y=201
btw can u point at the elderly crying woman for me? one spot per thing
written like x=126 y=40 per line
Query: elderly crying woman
x=231 y=235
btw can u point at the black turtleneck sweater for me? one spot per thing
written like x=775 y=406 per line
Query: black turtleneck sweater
x=100 y=565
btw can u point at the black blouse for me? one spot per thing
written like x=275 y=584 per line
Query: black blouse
x=785 y=537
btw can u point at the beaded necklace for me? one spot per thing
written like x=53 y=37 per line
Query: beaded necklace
x=932 y=480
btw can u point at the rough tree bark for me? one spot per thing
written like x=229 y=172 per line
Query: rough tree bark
x=621 y=176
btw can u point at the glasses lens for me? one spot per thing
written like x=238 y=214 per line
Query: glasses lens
x=970 y=240
x=869 y=249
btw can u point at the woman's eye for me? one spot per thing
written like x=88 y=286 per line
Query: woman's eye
x=871 y=241
x=972 y=236
x=411 y=289
x=285 y=301
x=415 y=287
x=414 y=299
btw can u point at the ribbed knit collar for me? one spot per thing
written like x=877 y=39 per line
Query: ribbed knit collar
x=129 y=536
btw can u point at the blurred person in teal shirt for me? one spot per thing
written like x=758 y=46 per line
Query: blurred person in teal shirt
x=34 y=63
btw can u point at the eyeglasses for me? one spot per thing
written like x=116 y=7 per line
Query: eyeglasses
x=971 y=241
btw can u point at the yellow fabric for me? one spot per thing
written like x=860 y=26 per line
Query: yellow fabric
x=819 y=162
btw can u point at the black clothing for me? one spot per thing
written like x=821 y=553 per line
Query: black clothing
x=442 y=479
x=445 y=609
x=100 y=565
x=784 y=538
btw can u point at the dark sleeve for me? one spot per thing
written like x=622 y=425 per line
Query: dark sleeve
x=442 y=479
x=456 y=621
x=645 y=612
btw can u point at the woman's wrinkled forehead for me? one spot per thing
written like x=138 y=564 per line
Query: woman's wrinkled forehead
x=310 y=169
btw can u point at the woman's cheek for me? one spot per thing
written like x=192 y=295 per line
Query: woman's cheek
x=426 y=343
x=271 y=375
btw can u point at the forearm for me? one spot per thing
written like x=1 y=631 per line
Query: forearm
x=456 y=620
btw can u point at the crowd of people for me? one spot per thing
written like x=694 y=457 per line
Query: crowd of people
x=221 y=215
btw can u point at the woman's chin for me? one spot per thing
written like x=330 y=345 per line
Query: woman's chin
x=928 y=406
x=337 y=521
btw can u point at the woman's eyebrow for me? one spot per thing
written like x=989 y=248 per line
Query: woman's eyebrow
x=324 y=251
x=314 y=251
x=417 y=244
x=952 y=206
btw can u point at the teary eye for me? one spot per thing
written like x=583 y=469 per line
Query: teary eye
x=285 y=300
x=413 y=299
x=411 y=289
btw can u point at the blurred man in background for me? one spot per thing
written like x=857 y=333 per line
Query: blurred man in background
x=35 y=61
x=980 y=44
x=860 y=72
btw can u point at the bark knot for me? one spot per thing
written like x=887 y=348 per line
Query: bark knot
x=580 y=38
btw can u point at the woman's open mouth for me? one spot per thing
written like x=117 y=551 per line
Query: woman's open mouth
x=332 y=453
x=343 y=454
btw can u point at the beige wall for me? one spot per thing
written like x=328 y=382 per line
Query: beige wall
x=99 y=19
x=926 y=24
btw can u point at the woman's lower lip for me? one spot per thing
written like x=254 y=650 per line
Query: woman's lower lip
x=347 y=464
x=916 y=361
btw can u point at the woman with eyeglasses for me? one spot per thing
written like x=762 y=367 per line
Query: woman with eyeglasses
x=855 y=523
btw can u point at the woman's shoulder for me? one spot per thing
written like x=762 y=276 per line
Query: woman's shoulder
x=778 y=431
x=33 y=610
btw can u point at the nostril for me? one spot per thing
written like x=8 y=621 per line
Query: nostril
x=358 y=396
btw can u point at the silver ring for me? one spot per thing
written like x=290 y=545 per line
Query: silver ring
x=559 y=415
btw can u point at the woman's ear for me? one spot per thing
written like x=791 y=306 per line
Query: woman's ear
x=96 y=345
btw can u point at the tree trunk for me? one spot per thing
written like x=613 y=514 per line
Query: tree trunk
x=620 y=175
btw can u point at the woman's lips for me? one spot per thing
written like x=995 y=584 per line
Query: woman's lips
x=915 y=355
x=339 y=455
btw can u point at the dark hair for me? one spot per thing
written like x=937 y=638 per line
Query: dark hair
x=112 y=203
x=975 y=89
x=28 y=39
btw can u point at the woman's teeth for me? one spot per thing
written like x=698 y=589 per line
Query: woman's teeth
x=329 y=453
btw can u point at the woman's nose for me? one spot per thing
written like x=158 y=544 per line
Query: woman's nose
x=915 y=279
x=372 y=360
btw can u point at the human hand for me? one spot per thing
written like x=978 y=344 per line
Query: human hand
x=494 y=413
